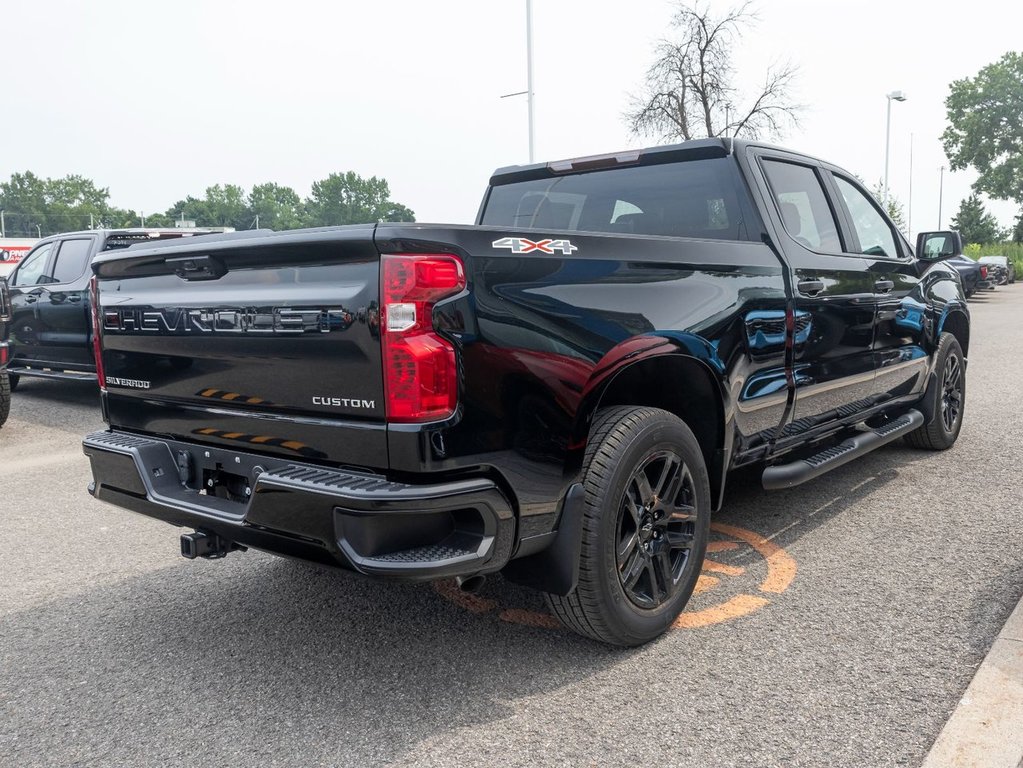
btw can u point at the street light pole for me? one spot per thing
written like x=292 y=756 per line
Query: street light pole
x=941 y=190
x=529 y=72
x=909 y=225
x=897 y=96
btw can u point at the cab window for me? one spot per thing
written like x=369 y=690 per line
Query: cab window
x=72 y=258
x=31 y=271
x=872 y=228
x=803 y=206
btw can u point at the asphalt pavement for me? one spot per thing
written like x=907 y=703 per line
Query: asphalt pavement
x=838 y=623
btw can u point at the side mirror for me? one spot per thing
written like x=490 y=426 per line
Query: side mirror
x=934 y=246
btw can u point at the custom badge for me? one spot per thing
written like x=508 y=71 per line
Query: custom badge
x=522 y=245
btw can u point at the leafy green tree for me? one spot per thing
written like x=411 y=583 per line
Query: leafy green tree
x=36 y=206
x=1017 y=231
x=985 y=127
x=223 y=205
x=975 y=224
x=276 y=207
x=350 y=199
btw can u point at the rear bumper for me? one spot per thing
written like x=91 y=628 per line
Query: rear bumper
x=353 y=520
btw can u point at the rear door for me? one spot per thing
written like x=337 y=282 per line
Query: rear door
x=833 y=365
x=900 y=360
x=62 y=307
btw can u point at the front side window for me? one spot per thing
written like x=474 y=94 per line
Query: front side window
x=31 y=269
x=872 y=229
x=72 y=259
x=803 y=205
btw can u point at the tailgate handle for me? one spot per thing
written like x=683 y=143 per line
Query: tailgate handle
x=197 y=267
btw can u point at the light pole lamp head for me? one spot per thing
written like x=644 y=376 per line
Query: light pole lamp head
x=897 y=95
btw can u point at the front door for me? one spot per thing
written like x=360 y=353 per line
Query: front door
x=900 y=358
x=26 y=286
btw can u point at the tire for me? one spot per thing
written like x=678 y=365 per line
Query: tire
x=945 y=421
x=13 y=378
x=668 y=540
x=5 y=398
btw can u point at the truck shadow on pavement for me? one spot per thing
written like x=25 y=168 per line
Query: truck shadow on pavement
x=260 y=651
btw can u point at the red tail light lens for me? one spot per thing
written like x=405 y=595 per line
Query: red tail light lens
x=983 y=272
x=97 y=349
x=420 y=370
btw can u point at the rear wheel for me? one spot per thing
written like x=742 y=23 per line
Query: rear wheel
x=946 y=417
x=645 y=527
x=5 y=398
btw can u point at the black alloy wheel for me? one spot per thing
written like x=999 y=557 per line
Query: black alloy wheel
x=646 y=520
x=656 y=529
x=951 y=393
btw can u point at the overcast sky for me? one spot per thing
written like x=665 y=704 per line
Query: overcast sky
x=159 y=100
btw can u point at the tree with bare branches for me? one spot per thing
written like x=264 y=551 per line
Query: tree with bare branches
x=690 y=91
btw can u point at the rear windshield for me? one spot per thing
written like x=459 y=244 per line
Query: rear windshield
x=120 y=240
x=695 y=198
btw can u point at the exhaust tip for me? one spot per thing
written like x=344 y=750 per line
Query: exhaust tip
x=471 y=584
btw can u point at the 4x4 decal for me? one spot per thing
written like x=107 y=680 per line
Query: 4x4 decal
x=522 y=245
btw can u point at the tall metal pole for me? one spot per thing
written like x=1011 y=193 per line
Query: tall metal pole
x=887 y=146
x=909 y=224
x=3 y=230
x=897 y=96
x=941 y=191
x=529 y=72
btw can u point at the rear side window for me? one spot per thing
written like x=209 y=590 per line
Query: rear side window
x=803 y=205
x=694 y=198
x=72 y=258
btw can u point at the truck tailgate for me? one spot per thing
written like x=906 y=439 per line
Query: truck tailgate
x=269 y=344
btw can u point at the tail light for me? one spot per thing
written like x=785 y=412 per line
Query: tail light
x=420 y=371
x=5 y=300
x=97 y=349
x=983 y=272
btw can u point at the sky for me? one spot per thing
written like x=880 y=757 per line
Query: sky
x=157 y=101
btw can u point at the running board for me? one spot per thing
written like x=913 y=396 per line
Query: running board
x=44 y=373
x=797 y=472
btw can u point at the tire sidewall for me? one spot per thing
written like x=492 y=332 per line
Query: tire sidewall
x=949 y=347
x=624 y=617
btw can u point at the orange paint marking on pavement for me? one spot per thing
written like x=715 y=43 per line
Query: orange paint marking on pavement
x=729 y=570
x=781 y=570
x=781 y=567
x=739 y=605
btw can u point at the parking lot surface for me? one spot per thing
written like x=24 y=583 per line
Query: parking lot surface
x=836 y=624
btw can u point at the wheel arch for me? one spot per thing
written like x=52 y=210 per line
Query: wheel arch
x=676 y=382
x=957 y=323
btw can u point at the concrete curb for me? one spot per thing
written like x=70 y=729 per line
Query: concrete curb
x=985 y=728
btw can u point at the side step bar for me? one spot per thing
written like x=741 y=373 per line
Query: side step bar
x=797 y=472
x=51 y=373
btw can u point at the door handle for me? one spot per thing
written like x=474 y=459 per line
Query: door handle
x=31 y=298
x=74 y=298
x=884 y=286
x=810 y=287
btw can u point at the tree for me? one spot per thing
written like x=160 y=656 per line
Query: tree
x=222 y=206
x=349 y=199
x=985 y=127
x=975 y=224
x=893 y=208
x=690 y=91
x=275 y=206
x=1017 y=231
x=35 y=206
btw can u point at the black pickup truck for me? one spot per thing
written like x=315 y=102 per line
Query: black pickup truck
x=44 y=305
x=557 y=393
